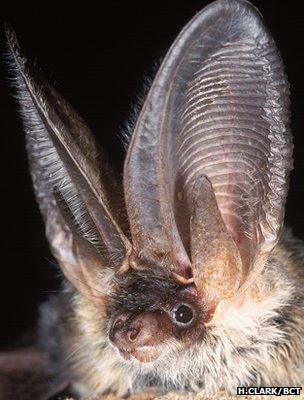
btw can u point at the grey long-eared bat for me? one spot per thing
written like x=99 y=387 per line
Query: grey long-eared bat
x=177 y=276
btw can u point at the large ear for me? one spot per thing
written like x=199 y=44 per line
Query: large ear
x=74 y=184
x=206 y=174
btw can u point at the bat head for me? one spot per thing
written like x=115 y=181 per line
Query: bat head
x=201 y=204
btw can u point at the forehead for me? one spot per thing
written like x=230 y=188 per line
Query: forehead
x=141 y=290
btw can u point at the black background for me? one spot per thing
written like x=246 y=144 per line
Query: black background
x=99 y=59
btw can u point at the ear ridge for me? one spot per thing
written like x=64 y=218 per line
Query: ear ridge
x=64 y=159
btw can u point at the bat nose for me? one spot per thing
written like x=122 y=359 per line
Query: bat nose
x=129 y=335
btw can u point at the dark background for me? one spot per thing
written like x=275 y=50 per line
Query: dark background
x=99 y=59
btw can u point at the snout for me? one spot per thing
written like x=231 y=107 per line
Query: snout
x=137 y=337
x=130 y=334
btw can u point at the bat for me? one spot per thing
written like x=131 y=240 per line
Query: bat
x=177 y=276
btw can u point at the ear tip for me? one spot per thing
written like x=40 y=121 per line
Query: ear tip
x=233 y=6
x=242 y=15
x=11 y=36
x=14 y=51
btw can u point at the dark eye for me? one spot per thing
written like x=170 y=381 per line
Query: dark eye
x=183 y=314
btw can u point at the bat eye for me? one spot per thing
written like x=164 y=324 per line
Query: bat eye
x=183 y=314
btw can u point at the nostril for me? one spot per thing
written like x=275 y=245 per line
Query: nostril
x=117 y=329
x=119 y=323
x=126 y=333
x=133 y=333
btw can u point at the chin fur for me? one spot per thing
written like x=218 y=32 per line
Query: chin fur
x=255 y=342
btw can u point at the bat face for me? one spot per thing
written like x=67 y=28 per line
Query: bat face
x=151 y=312
x=180 y=255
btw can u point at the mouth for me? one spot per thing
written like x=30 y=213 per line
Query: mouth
x=144 y=354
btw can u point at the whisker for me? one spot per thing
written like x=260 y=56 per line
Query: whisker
x=73 y=352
